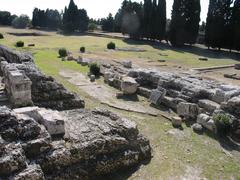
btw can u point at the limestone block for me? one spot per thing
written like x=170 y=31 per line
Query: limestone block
x=157 y=95
x=52 y=120
x=129 y=85
x=208 y=105
x=188 y=110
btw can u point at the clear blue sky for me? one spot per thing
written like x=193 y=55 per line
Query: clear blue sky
x=95 y=8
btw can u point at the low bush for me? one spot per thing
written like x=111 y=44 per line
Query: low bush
x=223 y=124
x=111 y=45
x=19 y=44
x=82 y=49
x=62 y=52
x=94 y=69
x=1 y=36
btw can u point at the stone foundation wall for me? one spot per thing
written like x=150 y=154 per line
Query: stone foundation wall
x=191 y=97
x=44 y=92
x=17 y=85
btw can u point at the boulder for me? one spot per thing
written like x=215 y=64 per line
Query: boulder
x=129 y=85
x=187 y=110
x=157 y=95
x=208 y=105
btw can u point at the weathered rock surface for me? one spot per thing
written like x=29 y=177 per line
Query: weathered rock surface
x=32 y=172
x=96 y=143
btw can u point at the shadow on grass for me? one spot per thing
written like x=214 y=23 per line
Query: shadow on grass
x=133 y=98
x=123 y=174
x=199 y=50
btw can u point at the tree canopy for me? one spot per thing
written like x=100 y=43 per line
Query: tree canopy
x=185 y=22
x=74 y=19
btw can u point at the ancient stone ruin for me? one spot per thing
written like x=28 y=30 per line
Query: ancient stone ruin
x=191 y=97
x=41 y=143
x=44 y=91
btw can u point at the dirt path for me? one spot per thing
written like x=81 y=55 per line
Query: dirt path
x=107 y=95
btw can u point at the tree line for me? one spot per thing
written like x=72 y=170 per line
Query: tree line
x=147 y=20
x=72 y=19
x=223 y=24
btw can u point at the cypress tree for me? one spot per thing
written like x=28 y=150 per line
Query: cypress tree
x=147 y=18
x=218 y=23
x=74 y=18
x=177 y=23
x=153 y=20
x=161 y=19
x=192 y=15
x=185 y=22
x=236 y=25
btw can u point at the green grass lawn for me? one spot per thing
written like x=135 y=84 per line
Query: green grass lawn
x=185 y=56
x=171 y=156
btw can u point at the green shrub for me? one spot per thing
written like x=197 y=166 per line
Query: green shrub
x=20 y=44
x=82 y=49
x=62 y=52
x=223 y=124
x=1 y=36
x=94 y=69
x=111 y=45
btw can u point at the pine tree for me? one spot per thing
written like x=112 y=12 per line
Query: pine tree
x=161 y=19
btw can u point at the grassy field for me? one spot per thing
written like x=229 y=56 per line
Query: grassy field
x=96 y=48
x=176 y=154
